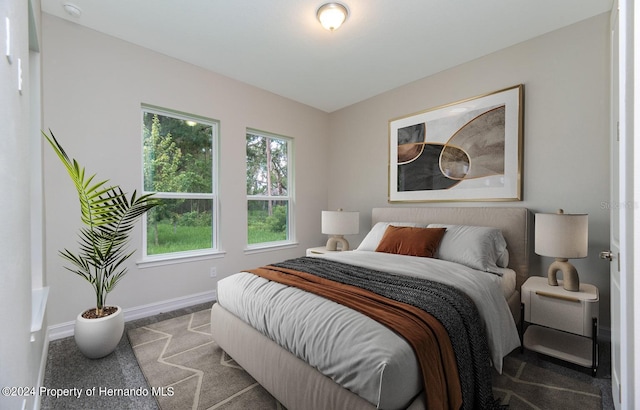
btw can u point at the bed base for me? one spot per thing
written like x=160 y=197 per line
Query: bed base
x=290 y=380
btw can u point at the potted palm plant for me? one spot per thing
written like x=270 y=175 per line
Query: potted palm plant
x=108 y=216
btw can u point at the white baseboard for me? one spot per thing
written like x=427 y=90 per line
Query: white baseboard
x=62 y=330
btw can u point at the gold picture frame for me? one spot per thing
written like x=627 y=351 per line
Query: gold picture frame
x=469 y=150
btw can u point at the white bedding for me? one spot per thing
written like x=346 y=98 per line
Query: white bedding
x=355 y=351
x=507 y=281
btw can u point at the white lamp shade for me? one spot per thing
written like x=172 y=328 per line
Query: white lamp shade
x=562 y=235
x=340 y=222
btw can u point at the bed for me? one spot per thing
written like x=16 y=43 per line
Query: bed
x=304 y=371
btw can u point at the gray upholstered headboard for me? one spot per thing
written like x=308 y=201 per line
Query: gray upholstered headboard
x=515 y=224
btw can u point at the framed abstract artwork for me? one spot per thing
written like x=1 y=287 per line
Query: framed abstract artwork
x=469 y=150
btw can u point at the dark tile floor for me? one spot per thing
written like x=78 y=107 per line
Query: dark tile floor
x=67 y=368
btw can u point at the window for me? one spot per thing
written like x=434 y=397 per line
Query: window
x=269 y=189
x=179 y=165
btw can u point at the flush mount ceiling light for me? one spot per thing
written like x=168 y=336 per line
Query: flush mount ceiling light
x=72 y=10
x=332 y=15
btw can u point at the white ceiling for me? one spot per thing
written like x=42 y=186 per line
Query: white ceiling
x=279 y=46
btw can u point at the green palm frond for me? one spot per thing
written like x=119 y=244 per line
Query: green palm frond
x=108 y=216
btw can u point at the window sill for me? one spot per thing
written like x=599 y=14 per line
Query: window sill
x=179 y=258
x=276 y=246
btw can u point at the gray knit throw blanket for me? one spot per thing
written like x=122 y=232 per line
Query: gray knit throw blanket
x=452 y=307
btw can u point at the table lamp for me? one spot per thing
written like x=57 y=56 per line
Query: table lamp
x=337 y=224
x=562 y=236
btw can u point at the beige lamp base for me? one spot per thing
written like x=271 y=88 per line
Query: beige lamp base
x=335 y=240
x=570 y=280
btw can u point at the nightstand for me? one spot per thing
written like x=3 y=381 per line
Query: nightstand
x=318 y=251
x=562 y=324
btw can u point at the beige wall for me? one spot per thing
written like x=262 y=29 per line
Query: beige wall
x=566 y=148
x=93 y=87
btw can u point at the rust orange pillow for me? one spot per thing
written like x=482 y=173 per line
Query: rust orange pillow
x=406 y=240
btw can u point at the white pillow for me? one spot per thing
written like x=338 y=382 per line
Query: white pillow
x=503 y=260
x=371 y=241
x=479 y=247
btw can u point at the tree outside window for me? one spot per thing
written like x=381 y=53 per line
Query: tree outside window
x=178 y=164
x=268 y=188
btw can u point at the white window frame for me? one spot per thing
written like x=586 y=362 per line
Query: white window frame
x=201 y=254
x=291 y=241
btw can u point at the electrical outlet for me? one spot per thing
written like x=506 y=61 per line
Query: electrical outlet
x=213 y=272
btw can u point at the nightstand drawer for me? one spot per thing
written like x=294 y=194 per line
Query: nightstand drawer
x=554 y=307
x=563 y=314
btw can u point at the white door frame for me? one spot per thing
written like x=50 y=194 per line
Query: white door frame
x=628 y=202
x=614 y=213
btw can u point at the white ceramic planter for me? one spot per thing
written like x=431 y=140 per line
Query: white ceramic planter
x=97 y=338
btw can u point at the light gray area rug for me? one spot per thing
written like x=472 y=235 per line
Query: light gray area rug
x=179 y=358
x=188 y=370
